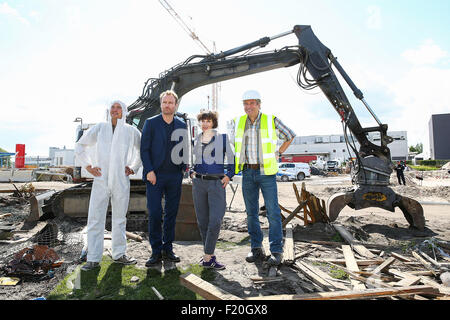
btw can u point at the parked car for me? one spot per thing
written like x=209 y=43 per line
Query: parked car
x=293 y=171
x=286 y=176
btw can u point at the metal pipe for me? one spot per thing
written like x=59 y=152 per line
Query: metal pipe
x=371 y=112
x=281 y=35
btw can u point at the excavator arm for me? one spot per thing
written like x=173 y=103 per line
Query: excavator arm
x=373 y=166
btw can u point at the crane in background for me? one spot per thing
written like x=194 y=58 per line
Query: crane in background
x=193 y=35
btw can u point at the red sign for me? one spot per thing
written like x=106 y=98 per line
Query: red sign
x=20 y=155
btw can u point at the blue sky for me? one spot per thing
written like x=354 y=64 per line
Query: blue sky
x=65 y=59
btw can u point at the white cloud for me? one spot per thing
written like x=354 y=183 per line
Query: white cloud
x=374 y=20
x=428 y=53
x=7 y=10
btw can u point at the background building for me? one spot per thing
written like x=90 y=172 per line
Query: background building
x=439 y=133
x=332 y=147
x=62 y=157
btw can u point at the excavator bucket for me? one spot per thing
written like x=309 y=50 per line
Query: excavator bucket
x=377 y=196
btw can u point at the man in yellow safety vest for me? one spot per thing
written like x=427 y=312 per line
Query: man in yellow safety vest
x=255 y=139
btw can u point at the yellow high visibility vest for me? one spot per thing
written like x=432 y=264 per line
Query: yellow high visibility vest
x=268 y=139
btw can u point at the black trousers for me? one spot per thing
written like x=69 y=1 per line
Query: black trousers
x=401 y=177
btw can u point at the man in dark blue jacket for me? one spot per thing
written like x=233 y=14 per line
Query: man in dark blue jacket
x=162 y=136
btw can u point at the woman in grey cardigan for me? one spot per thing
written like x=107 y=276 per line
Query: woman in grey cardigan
x=209 y=183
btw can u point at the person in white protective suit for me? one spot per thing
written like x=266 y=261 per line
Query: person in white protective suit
x=116 y=155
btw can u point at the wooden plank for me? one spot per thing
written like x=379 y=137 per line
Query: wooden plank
x=407 y=279
x=384 y=265
x=343 y=233
x=433 y=262
x=204 y=288
x=288 y=250
x=426 y=264
x=347 y=236
x=313 y=277
x=304 y=253
x=289 y=212
x=428 y=282
x=421 y=273
x=363 y=251
x=400 y=257
x=354 y=294
x=322 y=275
x=352 y=265
x=293 y=214
x=361 y=263
x=371 y=281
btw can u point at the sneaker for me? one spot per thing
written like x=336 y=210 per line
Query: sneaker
x=255 y=254
x=126 y=260
x=90 y=266
x=213 y=264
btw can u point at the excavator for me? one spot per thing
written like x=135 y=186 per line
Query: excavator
x=373 y=165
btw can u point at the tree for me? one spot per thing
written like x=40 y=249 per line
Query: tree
x=417 y=148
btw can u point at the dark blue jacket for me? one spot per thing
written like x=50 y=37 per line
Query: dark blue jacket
x=154 y=143
x=203 y=166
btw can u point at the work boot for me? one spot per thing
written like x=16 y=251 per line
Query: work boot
x=125 y=260
x=154 y=259
x=275 y=259
x=255 y=254
x=169 y=255
x=90 y=266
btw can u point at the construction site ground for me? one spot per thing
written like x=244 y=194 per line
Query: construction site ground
x=381 y=231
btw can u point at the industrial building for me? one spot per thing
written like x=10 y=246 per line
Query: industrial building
x=439 y=133
x=332 y=147
x=56 y=157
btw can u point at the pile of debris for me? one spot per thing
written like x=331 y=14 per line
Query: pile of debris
x=357 y=270
x=368 y=273
x=32 y=264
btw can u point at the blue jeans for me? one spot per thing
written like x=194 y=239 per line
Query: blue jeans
x=162 y=234
x=252 y=182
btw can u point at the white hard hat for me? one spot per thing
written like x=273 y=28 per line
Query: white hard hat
x=251 y=95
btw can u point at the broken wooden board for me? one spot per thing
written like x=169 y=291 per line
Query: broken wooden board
x=425 y=263
x=384 y=265
x=288 y=250
x=357 y=247
x=204 y=288
x=321 y=277
x=363 y=251
x=428 y=282
x=304 y=253
x=400 y=257
x=361 y=263
x=433 y=262
x=352 y=266
x=354 y=294
x=407 y=279
x=371 y=281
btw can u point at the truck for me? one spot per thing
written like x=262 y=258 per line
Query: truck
x=334 y=165
x=317 y=67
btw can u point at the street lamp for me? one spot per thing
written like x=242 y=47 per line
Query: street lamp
x=80 y=133
x=78 y=119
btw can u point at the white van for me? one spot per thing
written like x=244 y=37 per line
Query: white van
x=293 y=171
